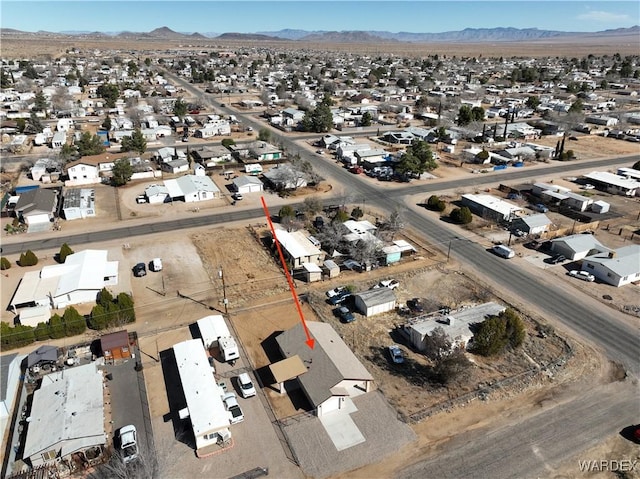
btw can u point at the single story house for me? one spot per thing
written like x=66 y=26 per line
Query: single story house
x=576 y=202
x=247 y=184
x=78 y=280
x=375 y=301
x=36 y=206
x=455 y=324
x=616 y=267
x=191 y=188
x=211 y=155
x=532 y=224
x=614 y=184
x=298 y=249
x=78 y=203
x=334 y=374
x=67 y=417
x=263 y=151
x=205 y=409
x=82 y=173
x=490 y=207
x=156 y=194
x=10 y=372
x=577 y=246
x=284 y=177
x=115 y=345
x=175 y=166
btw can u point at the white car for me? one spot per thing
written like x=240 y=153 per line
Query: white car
x=387 y=283
x=335 y=291
x=156 y=264
x=246 y=386
x=587 y=187
x=128 y=443
x=231 y=403
x=583 y=275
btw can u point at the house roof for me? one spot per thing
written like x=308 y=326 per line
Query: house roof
x=5 y=366
x=287 y=369
x=328 y=363
x=43 y=354
x=615 y=180
x=202 y=394
x=535 y=221
x=67 y=412
x=623 y=262
x=581 y=242
x=155 y=190
x=114 y=340
x=189 y=184
x=246 y=180
x=39 y=200
x=375 y=297
x=296 y=244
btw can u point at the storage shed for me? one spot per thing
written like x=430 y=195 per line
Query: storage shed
x=311 y=272
x=600 y=207
x=375 y=301
x=331 y=268
x=115 y=345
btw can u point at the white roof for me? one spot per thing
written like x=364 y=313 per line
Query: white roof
x=296 y=244
x=312 y=267
x=203 y=395
x=496 y=204
x=211 y=328
x=188 y=184
x=247 y=180
x=67 y=412
x=84 y=270
x=615 y=180
x=624 y=262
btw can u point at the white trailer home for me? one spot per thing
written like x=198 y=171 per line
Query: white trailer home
x=215 y=334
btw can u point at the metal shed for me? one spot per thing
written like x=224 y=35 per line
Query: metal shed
x=375 y=301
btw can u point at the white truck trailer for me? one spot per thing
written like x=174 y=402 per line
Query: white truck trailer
x=215 y=334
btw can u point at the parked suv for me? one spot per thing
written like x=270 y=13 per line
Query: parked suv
x=246 y=386
x=128 y=443
x=140 y=270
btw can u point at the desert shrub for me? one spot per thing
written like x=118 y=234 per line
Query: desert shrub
x=65 y=250
x=98 y=317
x=493 y=335
x=28 y=258
x=15 y=337
x=4 y=263
x=126 y=311
x=41 y=332
x=461 y=215
x=104 y=297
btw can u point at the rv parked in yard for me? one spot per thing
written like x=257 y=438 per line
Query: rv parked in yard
x=215 y=334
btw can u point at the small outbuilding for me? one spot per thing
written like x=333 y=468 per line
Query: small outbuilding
x=331 y=268
x=247 y=184
x=375 y=301
x=43 y=355
x=115 y=345
x=311 y=272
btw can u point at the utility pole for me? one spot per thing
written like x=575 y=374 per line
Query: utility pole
x=224 y=291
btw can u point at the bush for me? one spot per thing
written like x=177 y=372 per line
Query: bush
x=357 y=213
x=494 y=334
x=41 y=332
x=16 y=337
x=98 y=317
x=440 y=206
x=65 y=251
x=126 y=311
x=4 y=263
x=104 y=297
x=74 y=322
x=28 y=258
x=56 y=327
x=461 y=215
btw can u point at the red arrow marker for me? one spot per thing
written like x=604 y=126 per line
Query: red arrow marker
x=310 y=341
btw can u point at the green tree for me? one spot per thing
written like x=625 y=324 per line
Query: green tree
x=98 y=317
x=533 y=102
x=21 y=123
x=312 y=205
x=35 y=125
x=366 y=119
x=122 y=172
x=6 y=80
x=74 y=322
x=461 y=215
x=65 y=250
x=135 y=142
x=109 y=93
x=477 y=113
x=56 y=327
x=89 y=145
x=40 y=102
x=264 y=135
x=104 y=297
x=576 y=107
x=227 y=142
x=67 y=152
x=357 y=213
x=318 y=120
x=4 y=263
x=106 y=124
x=636 y=165
x=435 y=203
x=126 y=311
x=286 y=212
x=451 y=366
x=179 y=108
x=41 y=332
x=147 y=61
x=483 y=156
x=28 y=258
x=340 y=216
x=490 y=337
x=464 y=115
x=417 y=159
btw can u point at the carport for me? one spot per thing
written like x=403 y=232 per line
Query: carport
x=286 y=370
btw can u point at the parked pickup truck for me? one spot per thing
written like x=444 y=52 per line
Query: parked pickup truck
x=231 y=403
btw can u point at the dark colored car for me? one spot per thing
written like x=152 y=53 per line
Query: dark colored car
x=345 y=315
x=415 y=305
x=339 y=298
x=559 y=258
x=140 y=270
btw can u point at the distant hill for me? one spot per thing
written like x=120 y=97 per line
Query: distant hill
x=468 y=35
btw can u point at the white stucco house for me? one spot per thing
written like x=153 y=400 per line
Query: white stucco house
x=192 y=188
x=616 y=267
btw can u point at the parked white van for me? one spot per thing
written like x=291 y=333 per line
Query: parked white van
x=156 y=264
x=503 y=251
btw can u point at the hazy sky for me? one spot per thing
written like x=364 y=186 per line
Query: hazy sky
x=211 y=16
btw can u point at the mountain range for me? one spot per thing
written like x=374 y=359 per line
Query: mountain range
x=470 y=35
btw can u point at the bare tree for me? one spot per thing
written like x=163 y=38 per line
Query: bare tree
x=331 y=236
x=437 y=344
x=394 y=224
x=312 y=205
x=364 y=251
x=61 y=99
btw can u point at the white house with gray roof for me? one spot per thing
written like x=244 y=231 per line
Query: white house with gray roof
x=334 y=374
x=192 y=188
x=577 y=246
x=532 y=224
x=616 y=267
x=67 y=416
